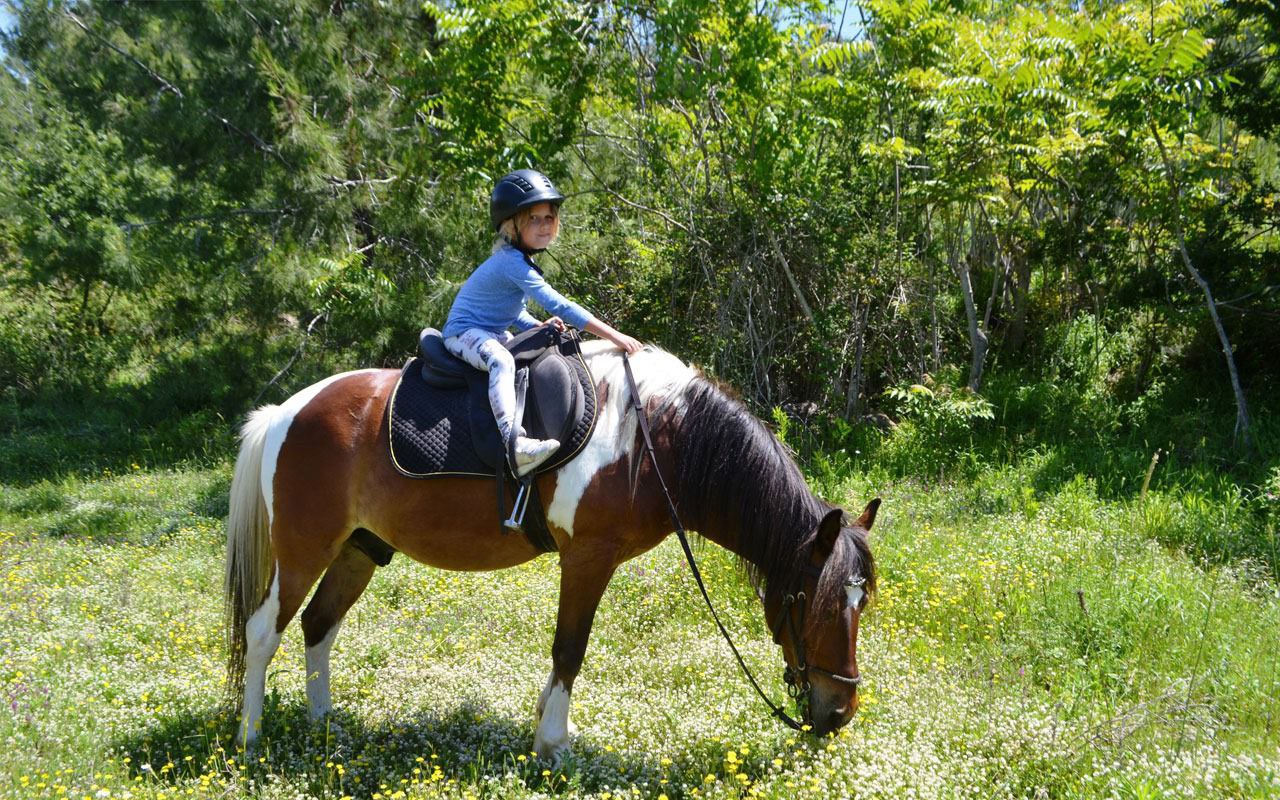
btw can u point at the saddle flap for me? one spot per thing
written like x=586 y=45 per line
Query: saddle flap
x=441 y=380
x=555 y=397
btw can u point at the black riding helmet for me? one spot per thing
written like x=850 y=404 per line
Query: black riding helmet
x=521 y=189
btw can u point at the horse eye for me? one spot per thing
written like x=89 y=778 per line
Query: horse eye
x=855 y=594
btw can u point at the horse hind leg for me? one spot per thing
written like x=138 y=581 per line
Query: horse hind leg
x=342 y=584
x=262 y=639
x=292 y=579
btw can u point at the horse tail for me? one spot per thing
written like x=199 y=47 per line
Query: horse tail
x=248 y=565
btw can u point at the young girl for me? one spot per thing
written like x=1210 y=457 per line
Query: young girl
x=525 y=210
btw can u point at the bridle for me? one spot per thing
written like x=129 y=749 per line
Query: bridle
x=796 y=677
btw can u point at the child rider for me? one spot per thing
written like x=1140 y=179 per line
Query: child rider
x=525 y=210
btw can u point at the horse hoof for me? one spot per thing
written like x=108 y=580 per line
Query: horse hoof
x=553 y=752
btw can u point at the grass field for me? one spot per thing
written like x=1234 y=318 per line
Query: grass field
x=1022 y=646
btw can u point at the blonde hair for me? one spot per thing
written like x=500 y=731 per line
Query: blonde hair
x=511 y=226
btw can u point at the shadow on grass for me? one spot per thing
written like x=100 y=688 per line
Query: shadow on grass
x=114 y=513
x=342 y=755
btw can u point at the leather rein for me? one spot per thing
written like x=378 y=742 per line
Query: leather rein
x=796 y=677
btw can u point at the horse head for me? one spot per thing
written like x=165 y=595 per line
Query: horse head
x=816 y=620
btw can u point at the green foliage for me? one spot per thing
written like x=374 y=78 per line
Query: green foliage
x=940 y=408
x=702 y=143
x=196 y=196
x=935 y=434
x=350 y=289
x=781 y=423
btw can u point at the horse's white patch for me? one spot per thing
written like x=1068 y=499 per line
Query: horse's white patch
x=261 y=641
x=855 y=593
x=318 y=696
x=658 y=374
x=282 y=418
x=553 y=720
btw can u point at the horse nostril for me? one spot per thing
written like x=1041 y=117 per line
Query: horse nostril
x=837 y=717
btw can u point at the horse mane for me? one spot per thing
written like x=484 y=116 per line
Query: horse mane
x=731 y=468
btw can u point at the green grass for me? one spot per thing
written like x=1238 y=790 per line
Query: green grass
x=1025 y=644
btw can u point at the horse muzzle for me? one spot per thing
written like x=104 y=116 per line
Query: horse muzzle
x=830 y=711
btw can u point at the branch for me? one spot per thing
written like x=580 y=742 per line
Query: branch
x=341 y=183
x=170 y=87
x=604 y=187
x=791 y=278
x=130 y=227
x=302 y=346
x=1263 y=290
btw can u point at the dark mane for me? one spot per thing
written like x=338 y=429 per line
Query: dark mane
x=731 y=468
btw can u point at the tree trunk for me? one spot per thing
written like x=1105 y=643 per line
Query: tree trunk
x=999 y=275
x=854 y=396
x=977 y=338
x=1241 y=435
x=935 y=335
x=1021 y=294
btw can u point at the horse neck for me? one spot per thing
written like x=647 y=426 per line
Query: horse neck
x=759 y=547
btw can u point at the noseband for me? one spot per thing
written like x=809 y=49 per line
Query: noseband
x=797 y=677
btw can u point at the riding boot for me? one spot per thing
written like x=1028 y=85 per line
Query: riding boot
x=532 y=452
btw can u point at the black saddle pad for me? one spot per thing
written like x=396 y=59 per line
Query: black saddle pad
x=441 y=432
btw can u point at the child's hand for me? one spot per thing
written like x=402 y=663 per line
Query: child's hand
x=631 y=346
x=601 y=328
x=554 y=322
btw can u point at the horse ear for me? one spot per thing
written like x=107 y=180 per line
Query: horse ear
x=829 y=530
x=868 y=517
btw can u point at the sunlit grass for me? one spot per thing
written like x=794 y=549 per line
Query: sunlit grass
x=1022 y=646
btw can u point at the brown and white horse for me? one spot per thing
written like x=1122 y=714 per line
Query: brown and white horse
x=315 y=469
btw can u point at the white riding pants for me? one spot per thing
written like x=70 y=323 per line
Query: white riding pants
x=487 y=351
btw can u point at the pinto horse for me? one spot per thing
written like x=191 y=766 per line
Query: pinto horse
x=315 y=470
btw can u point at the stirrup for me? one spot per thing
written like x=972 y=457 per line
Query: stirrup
x=515 y=523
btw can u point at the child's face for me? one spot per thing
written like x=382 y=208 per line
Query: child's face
x=539 y=231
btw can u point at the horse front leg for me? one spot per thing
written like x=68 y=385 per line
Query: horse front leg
x=584 y=574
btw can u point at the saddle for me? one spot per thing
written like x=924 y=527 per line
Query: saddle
x=442 y=424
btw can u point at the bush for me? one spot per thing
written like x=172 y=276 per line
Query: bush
x=935 y=435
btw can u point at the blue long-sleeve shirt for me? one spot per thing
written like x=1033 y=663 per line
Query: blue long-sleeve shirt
x=493 y=297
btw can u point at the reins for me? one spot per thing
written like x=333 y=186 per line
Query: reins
x=697 y=574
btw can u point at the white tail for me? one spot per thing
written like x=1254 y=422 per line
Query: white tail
x=248 y=543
